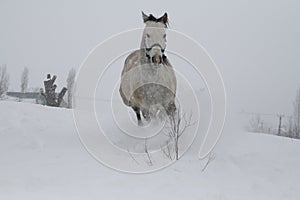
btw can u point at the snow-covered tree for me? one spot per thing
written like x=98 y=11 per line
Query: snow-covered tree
x=297 y=114
x=51 y=97
x=290 y=127
x=4 y=80
x=24 y=80
x=70 y=86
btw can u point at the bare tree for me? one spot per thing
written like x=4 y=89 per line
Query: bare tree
x=290 y=131
x=256 y=124
x=4 y=80
x=51 y=98
x=24 y=79
x=297 y=114
x=177 y=126
x=70 y=86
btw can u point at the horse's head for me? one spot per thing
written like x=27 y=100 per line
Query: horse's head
x=154 y=37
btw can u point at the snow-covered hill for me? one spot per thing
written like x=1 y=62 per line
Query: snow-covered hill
x=41 y=157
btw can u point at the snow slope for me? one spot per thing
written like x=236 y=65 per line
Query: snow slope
x=41 y=157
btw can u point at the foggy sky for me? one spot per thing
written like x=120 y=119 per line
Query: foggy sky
x=255 y=44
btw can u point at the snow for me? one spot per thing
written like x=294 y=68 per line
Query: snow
x=41 y=157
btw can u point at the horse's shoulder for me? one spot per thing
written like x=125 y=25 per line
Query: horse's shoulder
x=133 y=56
x=132 y=60
x=167 y=62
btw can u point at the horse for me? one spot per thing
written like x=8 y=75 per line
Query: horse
x=148 y=81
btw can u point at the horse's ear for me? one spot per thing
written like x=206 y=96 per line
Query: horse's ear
x=164 y=19
x=145 y=17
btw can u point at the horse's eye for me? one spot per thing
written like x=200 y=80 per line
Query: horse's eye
x=162 y=50
x=165 y=36
x=148 y=35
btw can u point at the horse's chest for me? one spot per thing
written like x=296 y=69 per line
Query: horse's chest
x=149 y=84
x=150 y=74
x=154 y=84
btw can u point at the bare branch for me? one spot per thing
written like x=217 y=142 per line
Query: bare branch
x=149 y=162
x=178 y=125
x=211 y=157
x=133 y=157
x=167 y=150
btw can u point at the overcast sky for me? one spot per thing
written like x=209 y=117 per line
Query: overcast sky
x=256 y=44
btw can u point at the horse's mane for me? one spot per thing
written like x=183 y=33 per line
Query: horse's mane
x=161 y=19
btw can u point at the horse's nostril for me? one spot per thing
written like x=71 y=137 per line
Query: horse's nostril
x=156 y=59
x=153 y=59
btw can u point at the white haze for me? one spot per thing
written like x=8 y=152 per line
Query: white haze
x=256 y=44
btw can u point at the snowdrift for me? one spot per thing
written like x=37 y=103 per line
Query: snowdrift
x=41 y=157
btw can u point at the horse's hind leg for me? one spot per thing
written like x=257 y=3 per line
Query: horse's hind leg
x=138 y=114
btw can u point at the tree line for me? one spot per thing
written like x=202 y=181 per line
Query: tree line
x=5 y=81
x=285 y=125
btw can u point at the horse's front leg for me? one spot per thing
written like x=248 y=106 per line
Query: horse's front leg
x=138 y=114
x=146 y=115
x=170 y=108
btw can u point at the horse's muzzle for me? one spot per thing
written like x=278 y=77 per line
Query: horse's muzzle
x=157 y=59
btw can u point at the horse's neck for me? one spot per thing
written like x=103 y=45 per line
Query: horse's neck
x=142 y=46
x=143 y=58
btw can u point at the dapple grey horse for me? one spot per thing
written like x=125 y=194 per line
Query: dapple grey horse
x=148 y=82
